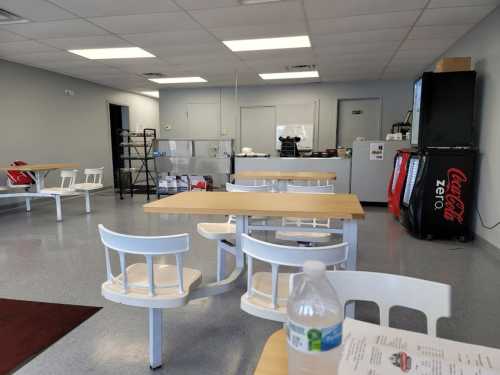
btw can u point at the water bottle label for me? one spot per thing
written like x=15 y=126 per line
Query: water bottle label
x=308 y=340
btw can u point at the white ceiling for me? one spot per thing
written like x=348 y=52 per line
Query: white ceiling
x=351 y=39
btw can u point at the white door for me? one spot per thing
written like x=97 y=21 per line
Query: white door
x=358 y=118
x=258 y=128
x=203 y=120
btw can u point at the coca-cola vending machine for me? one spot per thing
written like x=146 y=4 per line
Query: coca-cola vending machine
x=437 y=201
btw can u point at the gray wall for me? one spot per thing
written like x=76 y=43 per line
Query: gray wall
x=483 y=44
x=396 y=100
x=40 y=124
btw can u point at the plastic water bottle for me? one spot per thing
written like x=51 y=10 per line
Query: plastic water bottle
x=315 y=318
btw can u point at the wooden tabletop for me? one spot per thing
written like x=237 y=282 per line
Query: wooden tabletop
x=274 y=357
x=283 y=175
x=40 y=167
x=333 y=206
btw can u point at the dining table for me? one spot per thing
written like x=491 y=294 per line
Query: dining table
x=284 y=177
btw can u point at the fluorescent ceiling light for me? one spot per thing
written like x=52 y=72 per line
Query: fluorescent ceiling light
x=112 y=53
x=153 y=94
x=301 y=41
x=290 y=75
x=178 y=80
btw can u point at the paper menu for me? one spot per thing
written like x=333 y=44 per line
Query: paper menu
x=373 y=350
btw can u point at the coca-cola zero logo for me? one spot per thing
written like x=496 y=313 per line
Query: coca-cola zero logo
x=454 y=206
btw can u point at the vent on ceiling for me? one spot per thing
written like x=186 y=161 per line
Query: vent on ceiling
x=301 y=68
x=153 y=75
x=7 y=17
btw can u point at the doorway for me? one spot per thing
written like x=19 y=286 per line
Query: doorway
x=258 y=129
x=358 y=118
x=118 y=119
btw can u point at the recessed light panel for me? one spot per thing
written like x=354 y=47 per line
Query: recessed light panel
x=171 y=80
x=290 y=75
x=112 y=53
x=287 y=42
x=153 y=94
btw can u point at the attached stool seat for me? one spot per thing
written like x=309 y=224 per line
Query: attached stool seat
x=165 y=276
x=217 y=231
x=267 y=292
x=150 y=285
x=304 y=237
x=93 y=181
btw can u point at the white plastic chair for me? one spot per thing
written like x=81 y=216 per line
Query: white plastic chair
x=303 y=237
x=68 y=179
x=93 y=181
x=224 y=232
x=387 y=291
x=267 y=292
x=150 y=285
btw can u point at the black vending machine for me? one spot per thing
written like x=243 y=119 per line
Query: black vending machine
x=437 y=200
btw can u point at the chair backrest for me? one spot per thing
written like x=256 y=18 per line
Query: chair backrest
x=247 y=188
x=294 y=256
x=300 y=189
x=93 y=175
x=387 y=290
x=149 y=246
x=320 y=189
x=68 y=178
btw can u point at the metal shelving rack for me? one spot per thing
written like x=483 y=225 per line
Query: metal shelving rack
x=137 y=153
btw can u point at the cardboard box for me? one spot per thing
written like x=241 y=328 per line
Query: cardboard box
x=453 y=64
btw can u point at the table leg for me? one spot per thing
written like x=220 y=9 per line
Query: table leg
x=87 y=202
x=241 y=228
x=350 y=235
x=28 y=204
x=155 y=338
x=58 y=207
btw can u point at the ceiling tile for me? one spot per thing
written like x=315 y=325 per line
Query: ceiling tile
x=206 y=4
x=56 y=29
x=36 y=10
x=364 y=22
x=441 y=32
x=140 y=66
x=96 y=8
x=454 y=16
x=418 y=54
x=278 y=64
x=37 y=58
x=263 y=14
x=387 y=46
x=347 y=77
x=19 y=48
x=325 y=40
x=260 y=31
x=172 y=38
x=189 y=49
x=7 y=36
x=295 y=55
x=104 y=41
x=426 y=44
x=343 y=8
x=146 y=23
x=458 y=3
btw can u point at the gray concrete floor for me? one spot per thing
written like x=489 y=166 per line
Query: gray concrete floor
x=43 y=260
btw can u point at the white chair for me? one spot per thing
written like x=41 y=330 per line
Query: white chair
x=93 y=181
x=224 y=232
x=68 y=179
x=303 y=237
x=267 y=292
x=386 y=290
x=150 y=285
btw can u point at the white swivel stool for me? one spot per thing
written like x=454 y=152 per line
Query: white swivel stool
x=149 y=285
x=267 y=292
x=225 y=232
x=93 y=182
x=303 y=237
x=387 y=291
x=68 y=180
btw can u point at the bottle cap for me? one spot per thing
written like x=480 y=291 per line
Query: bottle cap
x=314 y=268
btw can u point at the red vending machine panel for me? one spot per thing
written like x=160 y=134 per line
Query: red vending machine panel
x=397 y=181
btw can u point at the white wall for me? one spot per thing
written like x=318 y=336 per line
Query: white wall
x=40 y=124
x=483 y=44
x=396 y=100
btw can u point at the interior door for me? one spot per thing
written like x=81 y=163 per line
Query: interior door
x=358 y=118
x=258 y=128
x=203 y=120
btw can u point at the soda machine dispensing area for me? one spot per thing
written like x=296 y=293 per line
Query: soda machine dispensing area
x=431 y=191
